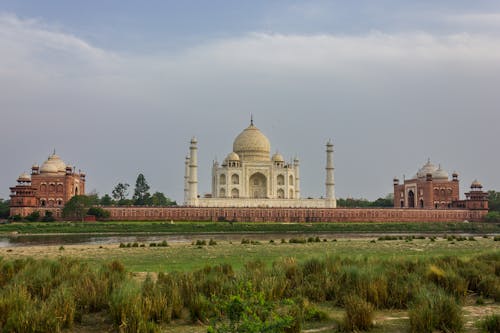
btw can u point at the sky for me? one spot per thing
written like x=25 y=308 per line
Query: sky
x=119 y=87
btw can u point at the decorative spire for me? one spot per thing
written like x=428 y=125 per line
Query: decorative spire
x=54 y=152
x=251 y=119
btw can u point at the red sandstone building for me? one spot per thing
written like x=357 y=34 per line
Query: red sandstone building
x=48 y=187
x=431 y=188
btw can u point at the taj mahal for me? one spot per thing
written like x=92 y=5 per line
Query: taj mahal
x=250 y=177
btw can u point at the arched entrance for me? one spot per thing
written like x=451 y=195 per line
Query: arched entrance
x=258 y=185
x=411 y=199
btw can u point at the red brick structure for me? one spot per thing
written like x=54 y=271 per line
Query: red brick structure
x=432 y=188
x=295 y=214
x=48 y=188
x=476 y=198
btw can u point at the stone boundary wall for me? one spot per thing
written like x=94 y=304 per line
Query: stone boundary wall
x=295 y=214
x=264 y=203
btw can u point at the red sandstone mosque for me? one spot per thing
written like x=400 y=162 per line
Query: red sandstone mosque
x=48 y=188
x=432 y=188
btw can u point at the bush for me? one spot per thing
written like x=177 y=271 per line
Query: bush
x=99 y=213
x=212 y=242
x=34 y=216
x=299 y=240
x=492 y=217
x=16 y=218
x=359 y=314
x=435 y=310
x=490 y=324
x=201 y=242
x=49 y=217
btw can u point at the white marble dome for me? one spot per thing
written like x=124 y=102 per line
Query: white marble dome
x=24 y=177
x=278 y=158
x=232 y=156
x=53 y=164
x=440 y=174
x=425 y=169
x=252 y=145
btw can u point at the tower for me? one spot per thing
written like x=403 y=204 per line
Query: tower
x=329 y=184
x=297 y=177
x=193 y=172
x=186 y=180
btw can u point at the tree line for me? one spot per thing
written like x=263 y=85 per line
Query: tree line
x=387 y=201
x=81 y=205
x=141 y=197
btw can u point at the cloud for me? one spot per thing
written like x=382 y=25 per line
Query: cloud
x=388 y=100
x=483 y=20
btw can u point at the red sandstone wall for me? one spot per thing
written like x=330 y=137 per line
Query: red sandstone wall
x=296 y=214
x=280 y=214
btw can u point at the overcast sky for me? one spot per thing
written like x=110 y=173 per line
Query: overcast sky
x=119 y=87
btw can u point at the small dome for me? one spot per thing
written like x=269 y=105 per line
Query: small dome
x=476 y=184
x=24 y=177
x=278 y=158
x=232 y=156
x=252 y=145
x=427 y=168
x=440 y=174
x=35 y=166
x=53 y=164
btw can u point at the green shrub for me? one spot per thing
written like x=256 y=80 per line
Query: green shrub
x=33 y=217
x=435 y=310
x=490 y=324
x=99 y=213
x=212 y=242
x=298 y=240
x=201 y=242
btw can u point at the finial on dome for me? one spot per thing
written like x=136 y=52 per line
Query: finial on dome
x=251 y=119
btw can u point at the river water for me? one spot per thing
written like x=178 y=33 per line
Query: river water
x=92 y=239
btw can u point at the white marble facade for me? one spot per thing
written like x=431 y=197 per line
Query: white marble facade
x=250 y=177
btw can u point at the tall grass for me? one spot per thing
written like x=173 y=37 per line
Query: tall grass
x=52 y=295
x=435 y=310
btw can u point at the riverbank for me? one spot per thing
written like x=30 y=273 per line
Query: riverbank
x=125 y=227
x=182 y=256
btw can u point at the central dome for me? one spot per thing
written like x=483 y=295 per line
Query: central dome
x=53 y=164
x=252 y=145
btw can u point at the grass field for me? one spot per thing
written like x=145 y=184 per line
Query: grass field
x=123 y=227
x=185 y=257
x=370 y=260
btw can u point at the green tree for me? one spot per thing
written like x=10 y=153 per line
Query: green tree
x=99 y=213
x=77 y=207
x=159 y=199
x=106 y=200
x=4 y=209
x=120 y=192
x=494 y=201
x=34 y=216
x=141 y=191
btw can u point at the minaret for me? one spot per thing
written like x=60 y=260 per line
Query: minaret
x=193 y=173
x=330 y=183
x=186 y=180
x=297 y=177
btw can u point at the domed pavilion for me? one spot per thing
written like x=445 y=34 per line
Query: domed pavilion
x=48 y=187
